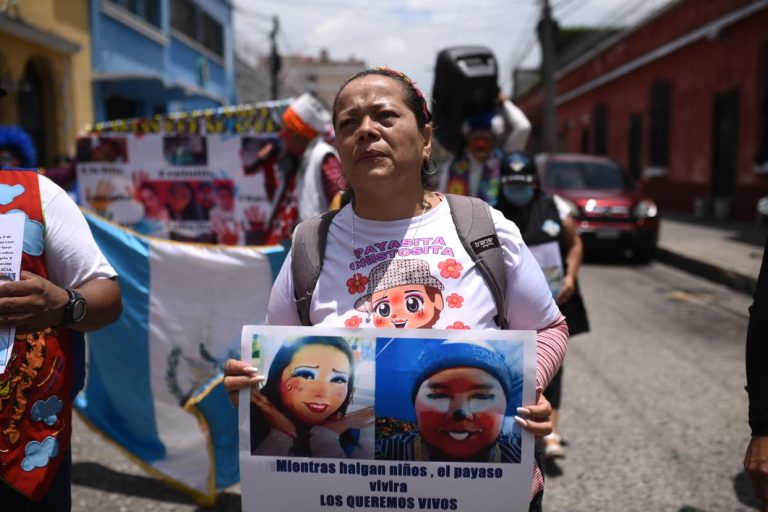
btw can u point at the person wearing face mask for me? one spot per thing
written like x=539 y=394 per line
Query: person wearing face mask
x=549 y=229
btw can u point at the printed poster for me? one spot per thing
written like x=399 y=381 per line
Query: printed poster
x=11 y=241
x=210 y=178
x=386 y=419
x=551 y=263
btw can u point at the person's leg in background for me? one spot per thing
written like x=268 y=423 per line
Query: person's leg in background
x=553 y=443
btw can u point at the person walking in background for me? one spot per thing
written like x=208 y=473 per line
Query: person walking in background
x=488 y=135
x=66 y=285
x=756 y=458
x=549 y=229
x=310 y=166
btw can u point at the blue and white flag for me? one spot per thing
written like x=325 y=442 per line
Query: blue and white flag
x=153 y=382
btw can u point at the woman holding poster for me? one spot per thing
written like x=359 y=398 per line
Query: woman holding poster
x=384 y=140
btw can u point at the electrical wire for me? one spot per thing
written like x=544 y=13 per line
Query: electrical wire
x=526 y=39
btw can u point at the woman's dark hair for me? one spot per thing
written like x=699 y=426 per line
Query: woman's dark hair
x=190 y=210
x=149 y=186
x=415 y=102
x=260 y=427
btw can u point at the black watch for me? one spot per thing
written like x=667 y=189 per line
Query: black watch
x=74 y=311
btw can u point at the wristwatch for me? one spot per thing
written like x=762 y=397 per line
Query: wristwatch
x=74 y=311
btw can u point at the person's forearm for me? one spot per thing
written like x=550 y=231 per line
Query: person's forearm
x=104 y=304
x=575 y=247
x=551 y=343
x=574 y=258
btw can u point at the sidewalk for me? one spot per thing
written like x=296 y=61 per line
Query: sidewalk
x=726 y=252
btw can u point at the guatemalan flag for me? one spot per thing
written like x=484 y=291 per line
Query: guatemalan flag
x=154 y=377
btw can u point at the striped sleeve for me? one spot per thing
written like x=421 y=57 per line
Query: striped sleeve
x=551 y=343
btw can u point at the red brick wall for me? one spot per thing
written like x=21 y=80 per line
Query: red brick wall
x=697 y=73
x=675 y=21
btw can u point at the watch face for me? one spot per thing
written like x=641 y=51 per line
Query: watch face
x=78 y=311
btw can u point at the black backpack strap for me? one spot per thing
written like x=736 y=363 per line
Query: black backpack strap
x=474 y=225
x=307 y=255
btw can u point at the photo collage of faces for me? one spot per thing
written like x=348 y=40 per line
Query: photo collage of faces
x=193 y=210
x=399 y=399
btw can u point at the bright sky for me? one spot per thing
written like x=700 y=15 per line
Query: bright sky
x=408 y=34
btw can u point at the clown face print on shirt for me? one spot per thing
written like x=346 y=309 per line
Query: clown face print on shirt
x=402 y=294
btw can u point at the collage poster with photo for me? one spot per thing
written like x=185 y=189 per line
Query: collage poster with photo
x=372 y=419
x=188 y=179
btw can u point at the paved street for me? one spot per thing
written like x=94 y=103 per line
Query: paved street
x=654 y=407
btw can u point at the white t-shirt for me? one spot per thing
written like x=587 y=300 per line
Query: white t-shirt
x=564 y=209
x=415 y=273
x=72 y=257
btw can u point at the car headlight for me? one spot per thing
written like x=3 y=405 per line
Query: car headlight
x=646 y=209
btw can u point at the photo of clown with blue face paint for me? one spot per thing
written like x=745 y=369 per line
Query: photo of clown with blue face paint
x=456 y=401
x=306 y=409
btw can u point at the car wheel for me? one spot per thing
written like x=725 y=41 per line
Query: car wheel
x=644 y=252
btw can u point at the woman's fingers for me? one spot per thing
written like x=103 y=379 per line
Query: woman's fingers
x=239 y=375
x=261 y=402
x=535 y=418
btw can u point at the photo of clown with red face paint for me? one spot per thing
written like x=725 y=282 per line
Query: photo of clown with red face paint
x=402 y=294
x=463 y=394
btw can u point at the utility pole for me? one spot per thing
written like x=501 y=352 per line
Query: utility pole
x=275 y=61
x=546 y=29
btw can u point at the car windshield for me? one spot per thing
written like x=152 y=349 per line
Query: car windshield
x=585 y=175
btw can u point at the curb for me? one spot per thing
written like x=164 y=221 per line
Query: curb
x=734 y=280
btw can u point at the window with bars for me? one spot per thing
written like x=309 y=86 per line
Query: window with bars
x=661 y=117
x=601 y=129
x=197 y=25
x=761 y=153
x=147 y=10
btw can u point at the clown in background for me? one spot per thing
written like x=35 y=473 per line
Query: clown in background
x=488 y=135
x=16 y=148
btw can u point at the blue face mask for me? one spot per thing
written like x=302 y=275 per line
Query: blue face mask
x=518 y=195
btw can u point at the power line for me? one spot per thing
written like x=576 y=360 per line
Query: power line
x=253 y=15
x=565 y=3
x=325 y=4
x=526 y=35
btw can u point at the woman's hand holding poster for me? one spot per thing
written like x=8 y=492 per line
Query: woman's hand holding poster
x=387 y=419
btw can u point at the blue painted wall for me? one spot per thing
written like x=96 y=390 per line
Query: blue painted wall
x=159 y=74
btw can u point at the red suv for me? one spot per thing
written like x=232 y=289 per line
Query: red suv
x=610 y=211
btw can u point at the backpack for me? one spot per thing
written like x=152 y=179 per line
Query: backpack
x=474 y=225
